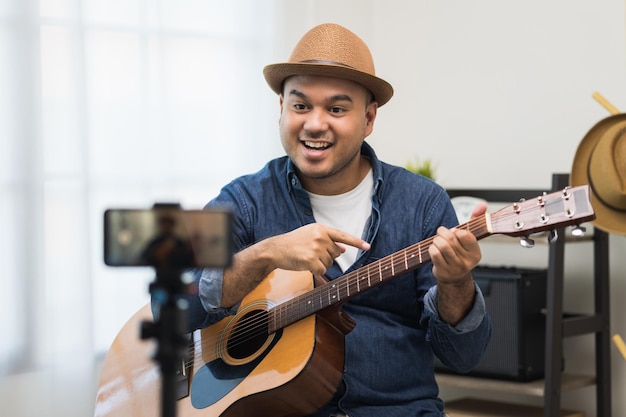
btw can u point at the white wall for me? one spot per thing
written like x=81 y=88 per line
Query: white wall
x=497 y=94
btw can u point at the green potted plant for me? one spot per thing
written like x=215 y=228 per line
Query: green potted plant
x=425 y=167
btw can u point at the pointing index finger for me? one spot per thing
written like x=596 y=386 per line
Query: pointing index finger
x=340 y=237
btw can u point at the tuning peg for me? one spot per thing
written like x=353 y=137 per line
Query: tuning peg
x=526 y=242
x=566 y=193
x=553 y=236
x=579 y=231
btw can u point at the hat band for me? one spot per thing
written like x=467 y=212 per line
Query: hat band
x=603 y=167
x=324 y=62
x=597 y=195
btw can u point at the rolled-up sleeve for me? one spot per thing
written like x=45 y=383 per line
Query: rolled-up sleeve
x=470 y=322
x=210 y=288
x=204 y=304
x=459 y=347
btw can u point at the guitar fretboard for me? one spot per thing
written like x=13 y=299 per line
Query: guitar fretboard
x=356 y=282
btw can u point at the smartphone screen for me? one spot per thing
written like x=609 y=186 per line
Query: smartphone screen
x=167 y=238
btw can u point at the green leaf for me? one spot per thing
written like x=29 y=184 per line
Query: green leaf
x=425 y=168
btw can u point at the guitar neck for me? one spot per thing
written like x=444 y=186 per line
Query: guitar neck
x=561 y=208
x=356 y=282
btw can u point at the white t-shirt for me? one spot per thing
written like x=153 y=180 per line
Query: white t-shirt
x=347 y=212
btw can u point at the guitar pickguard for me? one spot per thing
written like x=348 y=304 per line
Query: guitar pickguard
x=216 y=379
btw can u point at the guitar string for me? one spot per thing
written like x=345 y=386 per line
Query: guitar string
x=257 y=325
x=289 y=311
x=250 y=328
x=504 y=217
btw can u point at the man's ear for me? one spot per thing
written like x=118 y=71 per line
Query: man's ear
x=370 y=116
x=281 y=102
x=371 y=111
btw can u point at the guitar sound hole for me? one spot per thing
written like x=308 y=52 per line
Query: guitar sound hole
x=248 y=335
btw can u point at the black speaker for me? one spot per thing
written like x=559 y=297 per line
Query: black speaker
x=515 y=299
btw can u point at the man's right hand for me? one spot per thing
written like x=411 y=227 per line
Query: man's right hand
x=309 y=248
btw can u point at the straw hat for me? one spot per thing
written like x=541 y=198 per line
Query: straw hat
x=600 y=161
x=333 y=51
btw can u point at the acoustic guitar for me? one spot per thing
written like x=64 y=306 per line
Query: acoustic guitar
x=281 y=354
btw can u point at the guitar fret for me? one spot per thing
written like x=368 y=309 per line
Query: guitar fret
x=273 y=317
x=289 y=312
x=284 y=315
x=301 y=309
x=419 y=250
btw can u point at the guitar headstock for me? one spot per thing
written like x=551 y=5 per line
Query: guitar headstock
x=571 y=206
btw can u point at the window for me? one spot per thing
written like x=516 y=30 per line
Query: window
x=114 y=103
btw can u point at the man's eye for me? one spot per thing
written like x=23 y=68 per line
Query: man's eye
x=337 y=110
x=299 y=106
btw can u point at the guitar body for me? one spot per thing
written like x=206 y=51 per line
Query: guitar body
x=292 y=372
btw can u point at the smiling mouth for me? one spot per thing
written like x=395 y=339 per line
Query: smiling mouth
x=316 y=145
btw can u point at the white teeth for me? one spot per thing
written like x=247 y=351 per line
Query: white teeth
x=316 y=145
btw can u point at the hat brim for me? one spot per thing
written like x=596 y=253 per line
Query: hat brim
x=276 y=74
x=607 y=218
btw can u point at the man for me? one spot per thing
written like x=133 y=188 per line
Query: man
x=330 y=207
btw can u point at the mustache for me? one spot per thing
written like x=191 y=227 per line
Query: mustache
x=315 y=135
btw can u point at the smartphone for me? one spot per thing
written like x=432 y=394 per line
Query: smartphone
x=168 y=238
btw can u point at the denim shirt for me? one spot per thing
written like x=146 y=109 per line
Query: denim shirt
x=389 y=354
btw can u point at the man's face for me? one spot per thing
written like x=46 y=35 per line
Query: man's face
x=323 y=123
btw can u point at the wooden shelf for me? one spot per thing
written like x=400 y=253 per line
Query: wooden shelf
x=470 y=407
x=533 y=388
x=558 y=325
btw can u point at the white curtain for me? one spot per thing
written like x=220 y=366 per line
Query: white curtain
x=106 y=104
